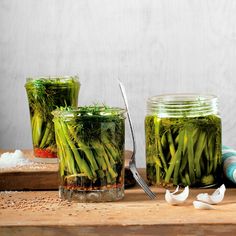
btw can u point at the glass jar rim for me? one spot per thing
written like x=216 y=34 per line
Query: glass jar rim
x=185 y=104
x=53 y=78
x=90 y=111
x=182 y=98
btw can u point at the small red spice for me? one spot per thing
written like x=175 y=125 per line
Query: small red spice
x=44 y=153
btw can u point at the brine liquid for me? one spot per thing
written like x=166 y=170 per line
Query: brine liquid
x=91 y=157
x=81 y=188
x=183 y=151
x=45 y=95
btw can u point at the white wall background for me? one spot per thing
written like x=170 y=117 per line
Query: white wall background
x=153 y=46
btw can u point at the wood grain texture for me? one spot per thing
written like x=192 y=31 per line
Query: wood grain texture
x=122 y=230
x=153 y=46
x=135 y=215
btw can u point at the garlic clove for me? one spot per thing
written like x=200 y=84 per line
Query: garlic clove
x=176 y=199
x=215 y=198
x=176 y=190
x=202 y=205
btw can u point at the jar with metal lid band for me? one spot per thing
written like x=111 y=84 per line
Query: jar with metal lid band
x=183 y=140
x=90 y=142
x=44 y=95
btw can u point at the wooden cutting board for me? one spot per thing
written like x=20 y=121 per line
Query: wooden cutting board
x=41 y=176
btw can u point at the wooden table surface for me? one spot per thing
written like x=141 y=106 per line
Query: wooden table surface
x=43 y=213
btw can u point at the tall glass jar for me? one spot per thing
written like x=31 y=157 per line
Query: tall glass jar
x=90 y=142
x=44 y=95
x=183 y=140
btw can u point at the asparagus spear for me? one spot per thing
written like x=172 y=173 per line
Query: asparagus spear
x=190 y=156
x=67 y=157
x=157 y=135
x=90 y=172
x=178 y=156
x=46 y=134
x=198 y=152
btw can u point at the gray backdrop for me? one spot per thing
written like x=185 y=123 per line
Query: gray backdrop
x=153 y=46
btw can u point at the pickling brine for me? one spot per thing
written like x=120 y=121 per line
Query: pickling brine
x=183 y=141
x=44 y=95
x=90 y=142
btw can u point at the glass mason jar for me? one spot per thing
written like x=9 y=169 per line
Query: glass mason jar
x=90 y=142
x=45 y=94
x=183 y=140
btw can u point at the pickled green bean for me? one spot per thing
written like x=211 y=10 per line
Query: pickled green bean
x=182 y=150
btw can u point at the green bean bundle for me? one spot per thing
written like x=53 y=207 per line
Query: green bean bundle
x=45 y=95
x=90 y=142
x=183 y=150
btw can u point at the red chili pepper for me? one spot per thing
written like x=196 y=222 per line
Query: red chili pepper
x=44 y=153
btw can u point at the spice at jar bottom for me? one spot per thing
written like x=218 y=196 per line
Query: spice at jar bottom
x=183 y=140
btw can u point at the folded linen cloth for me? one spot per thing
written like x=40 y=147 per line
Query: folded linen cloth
x=229 y=163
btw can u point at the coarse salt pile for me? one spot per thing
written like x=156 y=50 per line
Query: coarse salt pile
x=13 y=159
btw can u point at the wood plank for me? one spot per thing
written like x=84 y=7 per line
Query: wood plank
x=42 y=213
x=121 y=230
x=41 y=176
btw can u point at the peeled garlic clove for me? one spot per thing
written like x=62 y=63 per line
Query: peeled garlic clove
x=202 y=205
x=176 y=190
x=176 y=199
x=215 y=198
